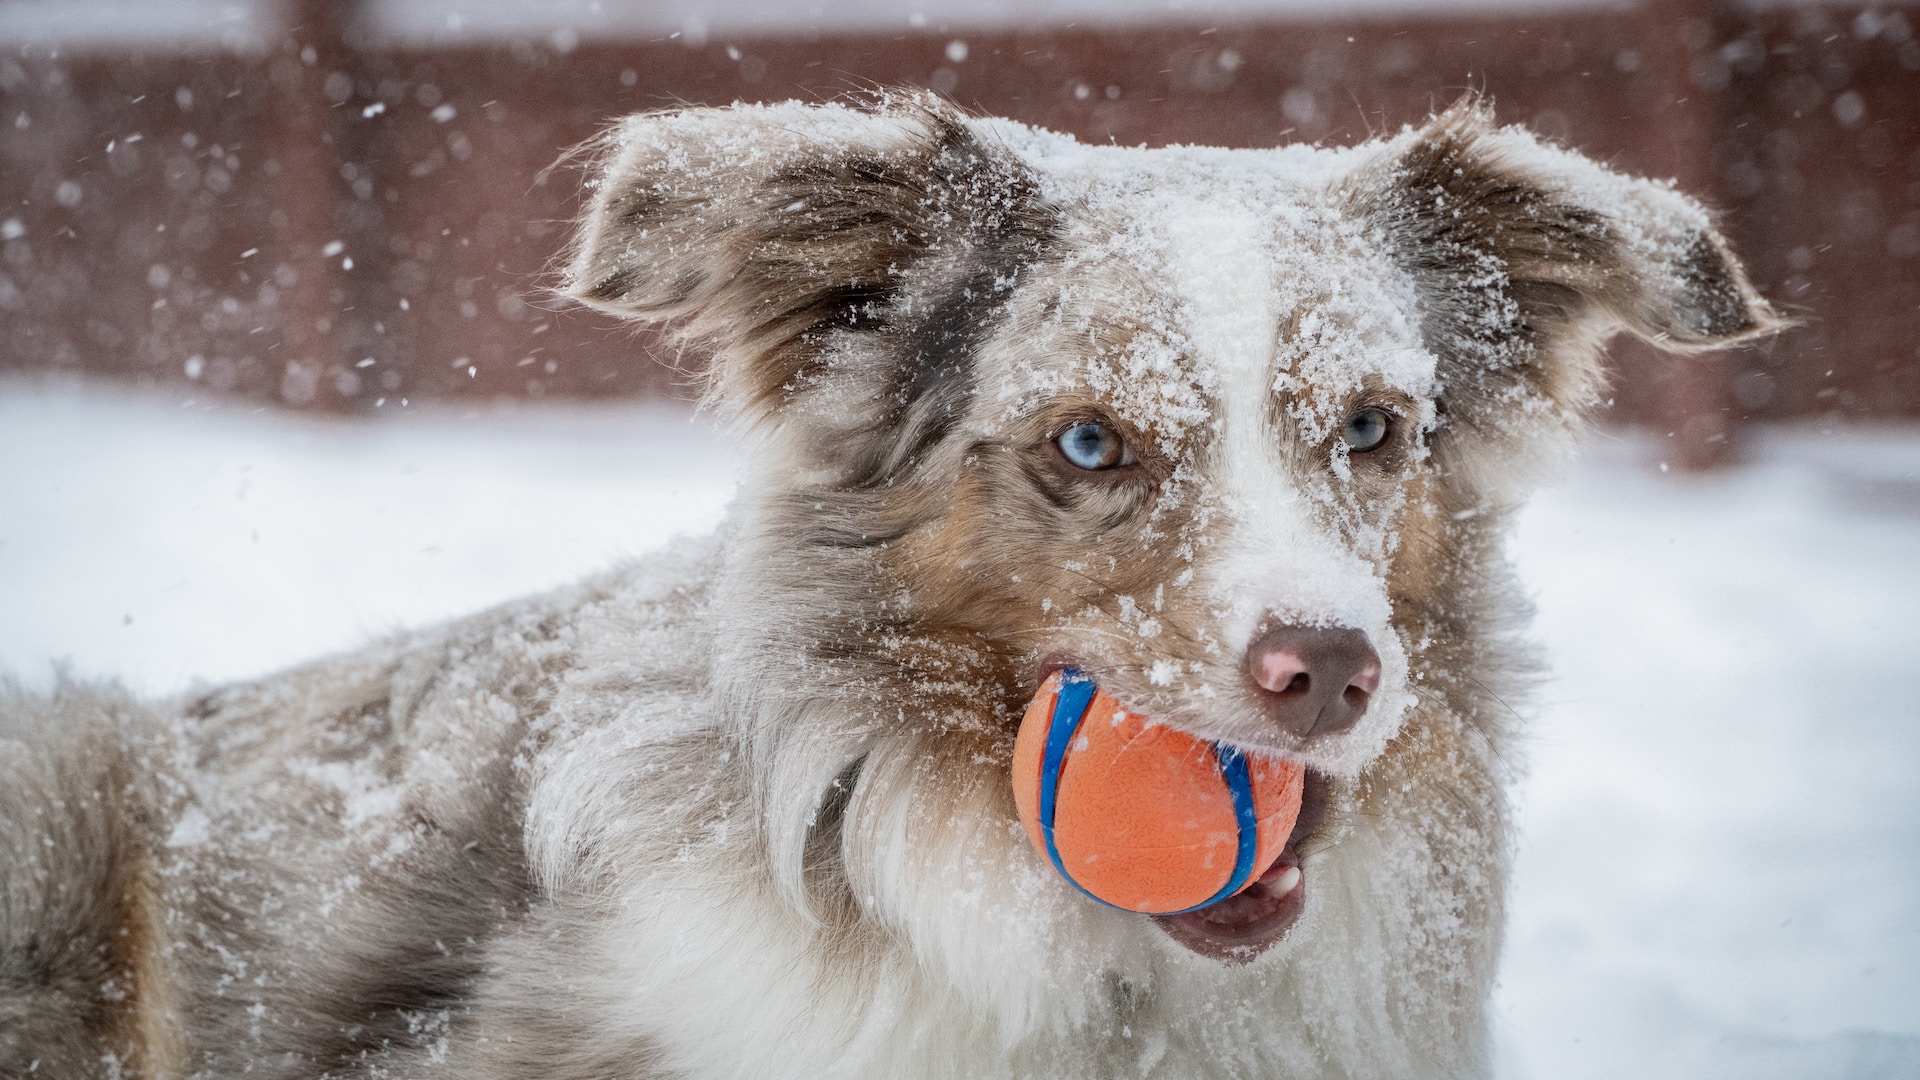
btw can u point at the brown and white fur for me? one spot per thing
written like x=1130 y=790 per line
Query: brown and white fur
x=743 y=808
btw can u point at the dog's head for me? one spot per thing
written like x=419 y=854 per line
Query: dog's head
x=1232 y=431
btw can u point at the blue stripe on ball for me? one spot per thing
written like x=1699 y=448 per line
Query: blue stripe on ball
x=1233 y=768
x=1069 y=709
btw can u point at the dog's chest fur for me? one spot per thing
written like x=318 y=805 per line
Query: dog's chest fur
x=744 y=808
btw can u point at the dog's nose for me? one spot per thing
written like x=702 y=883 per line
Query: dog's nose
x=1315 y=681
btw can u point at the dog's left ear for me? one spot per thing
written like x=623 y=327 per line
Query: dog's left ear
x=843 y=246
x=1525 y=257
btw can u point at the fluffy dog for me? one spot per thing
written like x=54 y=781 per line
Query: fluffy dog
x=1236 y=432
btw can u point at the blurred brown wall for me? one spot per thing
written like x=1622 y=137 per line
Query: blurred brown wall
x=339 y=227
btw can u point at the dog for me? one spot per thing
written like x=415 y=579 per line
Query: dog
x=1235 y=432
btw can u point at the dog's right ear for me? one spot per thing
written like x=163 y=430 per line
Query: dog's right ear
x=1525 y=257
x=779 y=234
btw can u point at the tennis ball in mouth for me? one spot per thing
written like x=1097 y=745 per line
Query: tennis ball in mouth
x=1138 y=815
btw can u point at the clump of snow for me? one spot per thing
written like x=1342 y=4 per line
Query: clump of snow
x=1279 y=246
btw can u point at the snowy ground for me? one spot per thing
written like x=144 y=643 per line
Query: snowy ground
x=1721 y=858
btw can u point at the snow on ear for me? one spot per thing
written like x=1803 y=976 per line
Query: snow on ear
x=1526 y=257
x=789 y=237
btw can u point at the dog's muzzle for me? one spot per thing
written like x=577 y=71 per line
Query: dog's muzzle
x=1314 y=681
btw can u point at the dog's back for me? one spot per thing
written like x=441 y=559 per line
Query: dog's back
x=300 y=876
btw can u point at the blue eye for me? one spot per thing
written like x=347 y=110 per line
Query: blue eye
x=1366 y=430
x=1093 y=447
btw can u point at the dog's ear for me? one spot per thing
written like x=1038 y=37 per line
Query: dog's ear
x=786 y=237
x=1525 y=257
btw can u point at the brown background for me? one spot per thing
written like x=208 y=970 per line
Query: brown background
x=337 y=224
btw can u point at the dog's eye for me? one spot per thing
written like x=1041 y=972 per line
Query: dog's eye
x=1366 y=430
x=1093 y=447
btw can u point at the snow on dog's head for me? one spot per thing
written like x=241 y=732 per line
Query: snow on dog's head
x=1022 y=403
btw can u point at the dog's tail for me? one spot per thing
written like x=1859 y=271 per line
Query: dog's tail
x=84 y=990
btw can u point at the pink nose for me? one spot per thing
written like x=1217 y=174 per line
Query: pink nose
x=1315 y=681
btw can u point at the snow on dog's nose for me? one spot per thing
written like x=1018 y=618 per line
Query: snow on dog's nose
x=1316 y=681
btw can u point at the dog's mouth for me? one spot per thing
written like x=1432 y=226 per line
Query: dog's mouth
x=1244 y=925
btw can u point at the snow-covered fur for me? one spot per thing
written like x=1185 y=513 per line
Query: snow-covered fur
x=744 y=809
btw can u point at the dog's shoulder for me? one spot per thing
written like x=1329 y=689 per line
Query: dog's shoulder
x=342 y=843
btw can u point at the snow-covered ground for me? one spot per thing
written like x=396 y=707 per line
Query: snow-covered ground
x=166 y=543
x=1720 y=870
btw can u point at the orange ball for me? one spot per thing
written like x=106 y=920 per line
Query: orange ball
x=1138 y=815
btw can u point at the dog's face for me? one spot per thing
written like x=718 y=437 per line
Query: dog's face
x=1182 y=438
x=1232 y=432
